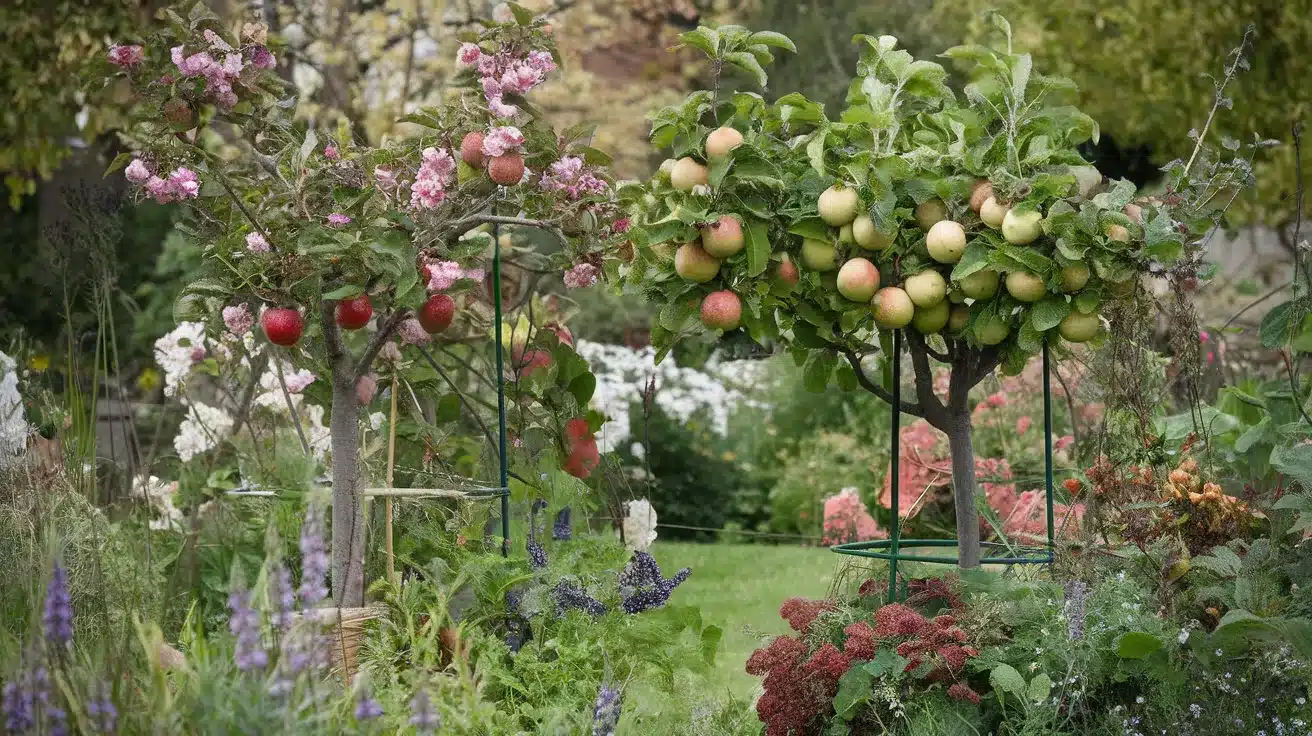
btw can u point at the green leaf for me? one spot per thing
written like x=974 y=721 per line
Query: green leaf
x=711 y=636
x=1214 y=421
x=1040 y=688
x=854 y=691
x=593 y=156
x=815 y=150
x=347 y=291
x=582 y=387
x=1295 y=462
x=811 y=227
x=1005 y=678
x=1049 y=313
x=678 y=314
x=1136 y=645
x=1260 y=432
x=307 y=148
x=207 y=287
x=523 y=16
x=975 y=258
x=777 y=40
x=749 y=64
x=1277 y=326
x=819 y=367
x=757 y=241
x=1020 y=77
x=119 y=162
x=706 y=39
x=806 y=335
x=448 y=409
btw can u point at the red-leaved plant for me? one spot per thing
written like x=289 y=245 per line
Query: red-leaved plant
x=802 y=670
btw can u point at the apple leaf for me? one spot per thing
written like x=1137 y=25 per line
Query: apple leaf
x=347 y=291
x=757 y=237
x=777 y=40
x=975 y=258
x=1049 y=313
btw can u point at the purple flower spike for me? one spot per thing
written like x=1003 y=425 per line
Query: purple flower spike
x=57 y=618
x=606 y=714
x=314 y=558
x=245 y=625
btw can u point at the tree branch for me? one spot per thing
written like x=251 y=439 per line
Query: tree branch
x=332 y=336
x=377 y=341
x=861 y=378
x=936 y=355
x=935 y=412
x=473 y=221
x=258 y=365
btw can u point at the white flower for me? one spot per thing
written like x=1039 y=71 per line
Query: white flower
x=637 y=450
x=173 y=352
x=160 y=496
x=376 y=421
x=202 y=430
x=639 y=524
x=1183 y=636
x=13 y=422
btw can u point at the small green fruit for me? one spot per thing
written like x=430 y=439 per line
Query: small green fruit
x=958 y=317
x=838 y=205
x=1078 y=327
x=818 y=255
x=928 y=320
x=866 y=236
x=991 y=329
x=1074 y=277
x=1025 y=287
x=1021 y=228
x=930 y=212
x=946 y=241
x=893 y=308
x=926 y=289
x=982 y=284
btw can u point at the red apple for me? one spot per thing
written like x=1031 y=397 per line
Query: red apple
x=506 y=170
x=352 y=314
x=471 y=150
x=437 y=312
x=577 y=429
x=282 y=326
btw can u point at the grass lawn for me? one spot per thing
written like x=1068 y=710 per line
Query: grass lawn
x=739 y=588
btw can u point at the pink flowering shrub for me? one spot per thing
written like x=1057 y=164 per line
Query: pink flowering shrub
x=847 y=520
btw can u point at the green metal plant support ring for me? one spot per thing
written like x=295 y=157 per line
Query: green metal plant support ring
x=892 y=549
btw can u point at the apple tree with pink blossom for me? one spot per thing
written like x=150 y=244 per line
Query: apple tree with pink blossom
x=340 y=254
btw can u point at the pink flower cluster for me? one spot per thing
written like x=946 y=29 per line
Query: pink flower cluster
x=847 y=520
x=412 y=333
x=179 y=185
x=297 y=381
x=503 y=73
x=337 y=219
x=126 y=56
x=256 y=243
x=502 y=140
x=436 y=173
x=238 y=319
x=582 y=276
x=221 y=74
x=443 y=275
x=569 y=175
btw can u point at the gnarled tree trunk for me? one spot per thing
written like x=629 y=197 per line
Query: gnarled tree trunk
x=348 y=526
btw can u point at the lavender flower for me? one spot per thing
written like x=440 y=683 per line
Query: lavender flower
x=245 y=625
x=366 y=708
x=561 y=529
x=314 y=558
x=19 y=706
x=56 y=721
x=101 y=711
x=1077 y=592
x=642 y=585
x=537 y=557
x=606 y=714
x=570 y=597
x=57 y=619
x=423 y=716
x=281 y=593
x=515 y=635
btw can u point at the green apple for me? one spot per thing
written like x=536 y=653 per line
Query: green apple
x=928 y=320
x=982 y=284
x=1025 y=287
x=926 y=289
x=818 y=255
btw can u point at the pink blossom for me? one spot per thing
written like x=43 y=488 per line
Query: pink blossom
x=520 y=78
x=1211 y=357
x=337 y=219
x=469 y=54
x=263 y=58
x=137 y=172
x=502 y=140
x=541 y=61
x=159 y=189
x=621 y=225
x=297 y=381
x=385 y=177
x=126 y=56
x=581 y=276
x=996 y=400
x=365 y=388
x=488 y=64
x=443 y=274
x=256 y=243
x=1203 y=336
x=1023 y=425
x=238 y=319
x=1063 y=442
x=195 y=65
x=184 y=184
x=412 y=333
x=436 y=173
x=847 y=520
x=569 y=175
x=501 y=109
x=390 y=352
x=330 y=152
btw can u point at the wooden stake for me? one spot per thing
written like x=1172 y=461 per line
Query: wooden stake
x=391 y=464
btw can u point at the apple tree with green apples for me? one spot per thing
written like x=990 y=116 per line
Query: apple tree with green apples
x=353 y=258
x=967 y=220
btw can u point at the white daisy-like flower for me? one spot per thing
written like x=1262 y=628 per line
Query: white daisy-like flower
x=639 y=525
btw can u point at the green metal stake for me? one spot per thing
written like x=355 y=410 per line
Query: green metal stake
x=897 y=451
x=1047 y=448
x=501 y=394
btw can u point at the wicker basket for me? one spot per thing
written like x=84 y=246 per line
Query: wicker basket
x=345 y=628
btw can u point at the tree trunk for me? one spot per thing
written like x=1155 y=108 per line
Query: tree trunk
x=348 y=527
x=959 y=431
